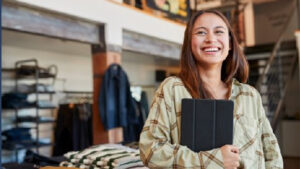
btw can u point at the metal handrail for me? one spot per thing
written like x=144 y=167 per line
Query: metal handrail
x=280 y=103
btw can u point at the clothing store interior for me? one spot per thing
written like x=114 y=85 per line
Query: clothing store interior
x=79 y=77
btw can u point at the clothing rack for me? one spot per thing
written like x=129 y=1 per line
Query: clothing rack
x=77 y=92
x=79 y=96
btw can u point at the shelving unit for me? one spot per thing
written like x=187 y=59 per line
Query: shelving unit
x=34 y=73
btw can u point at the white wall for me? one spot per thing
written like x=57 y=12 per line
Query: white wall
x=74 y=63
x=116 y=17
x=73 y=59
x=141 y=69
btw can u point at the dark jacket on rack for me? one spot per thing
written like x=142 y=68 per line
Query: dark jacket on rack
x=73 y=131
x=116 y=104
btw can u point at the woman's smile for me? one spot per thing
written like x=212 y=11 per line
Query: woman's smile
x=211 y=50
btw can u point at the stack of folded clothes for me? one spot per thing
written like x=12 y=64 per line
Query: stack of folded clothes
x=20 y=119
x=15 y=100
x=29 y=70
x=16 y=138
x=107 y=156
x=37 y=87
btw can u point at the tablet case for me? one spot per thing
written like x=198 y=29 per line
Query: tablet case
x=206 y=124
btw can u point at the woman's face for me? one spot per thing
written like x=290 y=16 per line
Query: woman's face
x=210 y=39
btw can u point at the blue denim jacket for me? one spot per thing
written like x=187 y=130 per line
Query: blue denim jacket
x=116 y=104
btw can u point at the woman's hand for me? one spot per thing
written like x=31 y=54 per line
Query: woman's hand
x=230 y=155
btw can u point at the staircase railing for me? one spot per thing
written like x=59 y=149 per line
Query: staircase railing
x=277 y=113
x=278 y=79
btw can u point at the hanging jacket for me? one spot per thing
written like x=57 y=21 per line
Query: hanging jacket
x=73 y=129
x=116 y=104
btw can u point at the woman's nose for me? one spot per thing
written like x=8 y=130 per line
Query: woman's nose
x=210 y=37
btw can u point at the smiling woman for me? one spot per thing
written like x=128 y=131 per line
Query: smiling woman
x=210 y=38
x=211 y=47
x=212 y=67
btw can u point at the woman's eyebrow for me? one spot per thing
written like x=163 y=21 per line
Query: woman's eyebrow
x=222 y=27
x=200 y=27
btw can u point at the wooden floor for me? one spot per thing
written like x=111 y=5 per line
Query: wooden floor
x=291 y=163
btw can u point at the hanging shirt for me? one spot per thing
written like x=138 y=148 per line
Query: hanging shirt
x=160 y=138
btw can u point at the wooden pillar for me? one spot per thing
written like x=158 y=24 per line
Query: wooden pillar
x=103 y=57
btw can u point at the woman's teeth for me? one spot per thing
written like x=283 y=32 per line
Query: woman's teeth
x=211 y=49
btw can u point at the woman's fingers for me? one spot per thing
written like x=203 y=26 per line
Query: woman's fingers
x=230 y=155
x=234 y=149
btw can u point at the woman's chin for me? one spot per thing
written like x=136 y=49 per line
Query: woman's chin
x=211 y=60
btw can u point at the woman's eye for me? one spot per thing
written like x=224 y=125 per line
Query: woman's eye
x=201 y=33
x=219 y=32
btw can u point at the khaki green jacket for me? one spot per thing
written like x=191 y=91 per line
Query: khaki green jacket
x=253 y=135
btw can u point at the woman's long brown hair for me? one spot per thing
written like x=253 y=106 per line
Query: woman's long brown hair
x=235 y=65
